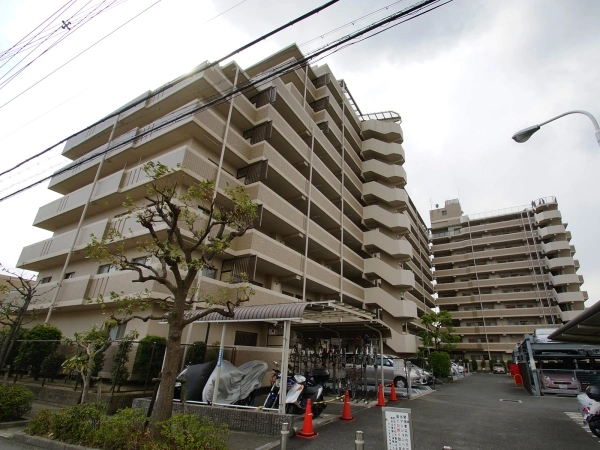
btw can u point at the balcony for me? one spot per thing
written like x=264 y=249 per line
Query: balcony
x=564 y=280
x=53 y=251
x=374 y=192
x=406 y=344
x=465 y=242
x=384 y=151
x=384 y=131
x=376 y=268
x=486 y=268
x=550 y=231
x=496 y=329
x=501 y=313
x=496 y=253
x=393 y=174
x=506 y=347
x=545 y=217
x=565 y=316
x=374 y=241
x=559 y=263
x=555 y=247
x=487 y=298
x=400 y=309
x=375 y=215
x=491 y=283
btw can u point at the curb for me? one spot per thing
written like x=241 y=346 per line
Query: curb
x=37 y=441
x=16 y=423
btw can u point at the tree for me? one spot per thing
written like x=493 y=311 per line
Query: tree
x=92 y=344
x=439 y=330
x=188 y=225
x=17 y=296
x=41 y=341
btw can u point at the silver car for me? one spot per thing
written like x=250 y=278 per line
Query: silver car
x=394 y=371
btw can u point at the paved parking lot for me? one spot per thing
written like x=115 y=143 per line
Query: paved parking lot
x=468 y=414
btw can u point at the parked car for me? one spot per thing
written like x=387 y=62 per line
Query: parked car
x=457 y=369
x=394 y=371
x=498 y=368
x=559 y=381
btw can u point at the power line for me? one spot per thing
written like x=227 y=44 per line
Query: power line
x=177 y=80
x=76 y=26
x=79 y=54
x=421 y=6
x=220 y=14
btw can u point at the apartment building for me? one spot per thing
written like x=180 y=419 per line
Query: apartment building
x=503 y=274
x=329 y=181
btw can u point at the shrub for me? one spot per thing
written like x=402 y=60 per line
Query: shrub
x=74 y=425
x=213 y=352
x=14 y=351
x=509 y=361
x=15 y=401
x=474 y=365
x=123 y=431
x=52 y=365
x=146 y=362
x=196 y=353
x=191 y=432
x=440 y=363
x=32 y=354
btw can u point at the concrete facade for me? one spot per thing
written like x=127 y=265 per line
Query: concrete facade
x=504 y=273
x=367 y=244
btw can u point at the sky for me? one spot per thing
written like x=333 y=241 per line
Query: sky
x=464 y=78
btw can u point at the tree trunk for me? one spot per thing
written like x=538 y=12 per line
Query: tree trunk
x=87 y=377
x=8 y=343
x=164 y=402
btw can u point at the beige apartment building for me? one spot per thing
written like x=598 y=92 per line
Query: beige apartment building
x=367 y=245
x=503 y=274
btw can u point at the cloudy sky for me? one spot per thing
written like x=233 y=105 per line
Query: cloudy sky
x=464 y=78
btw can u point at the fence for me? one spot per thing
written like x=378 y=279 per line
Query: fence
x=122 y=372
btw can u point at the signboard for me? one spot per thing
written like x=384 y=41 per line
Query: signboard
x=397 y=427
x=275 y=330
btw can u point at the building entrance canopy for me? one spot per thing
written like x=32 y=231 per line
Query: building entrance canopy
x=323 y=318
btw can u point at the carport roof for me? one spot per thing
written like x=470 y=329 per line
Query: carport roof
x=307 y=316
x=584 y=328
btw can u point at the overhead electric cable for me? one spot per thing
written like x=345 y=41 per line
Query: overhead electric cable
x=272 y=74
x=177 y=80
x=227 y=10
x=79 y=54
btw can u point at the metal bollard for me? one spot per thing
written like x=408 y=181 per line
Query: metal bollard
x=285 y=431
x=359 y=441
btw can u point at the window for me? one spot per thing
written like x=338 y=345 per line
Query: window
x=524 y=322
x=107 y=268
x=69 y=275
x=444 y=212
x=46 y=280
x=209 y=272
x=246 y=338
x=118 y=332
x=142 y=260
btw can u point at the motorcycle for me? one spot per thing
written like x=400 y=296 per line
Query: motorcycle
x=591 y=412
x=237 y=386
x=305 y=388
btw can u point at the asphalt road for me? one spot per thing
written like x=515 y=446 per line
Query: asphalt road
x=7 y=444
x=468 y=415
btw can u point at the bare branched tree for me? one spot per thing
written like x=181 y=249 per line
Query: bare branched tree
x=186 y=227
x=18 y=296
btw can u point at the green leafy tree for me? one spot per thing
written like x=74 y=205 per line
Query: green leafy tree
x=16 y=298
x=188 y=225
x=41 y=344
x=196 y=353
x=92 y=343
x=440 y=364
x=149 y=356
x=120 y=372
x=439 y=329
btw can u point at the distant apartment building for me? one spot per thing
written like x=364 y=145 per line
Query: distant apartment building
x=363 y=241
x=503 y=274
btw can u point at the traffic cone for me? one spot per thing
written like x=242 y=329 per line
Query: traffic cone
x=380 y=399
x=393 y=397
x=346 y=412
x=307 y=427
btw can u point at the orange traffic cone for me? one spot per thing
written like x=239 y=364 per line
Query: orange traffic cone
x=307 y=427
x=346 y=412
x=393 y=397
x=380 y=399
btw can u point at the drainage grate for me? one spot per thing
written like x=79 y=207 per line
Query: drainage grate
x=511 y=401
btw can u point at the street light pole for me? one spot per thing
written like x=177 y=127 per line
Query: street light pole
x=525 y=134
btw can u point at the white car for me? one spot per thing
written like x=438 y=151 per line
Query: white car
x=457 y=369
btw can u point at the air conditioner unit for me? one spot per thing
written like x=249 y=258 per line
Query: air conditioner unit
x=376 y=255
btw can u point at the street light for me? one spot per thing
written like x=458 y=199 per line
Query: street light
x=525 y=134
